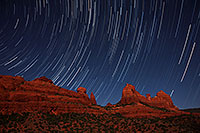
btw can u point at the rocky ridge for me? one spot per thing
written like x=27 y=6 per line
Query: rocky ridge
x=41 y=95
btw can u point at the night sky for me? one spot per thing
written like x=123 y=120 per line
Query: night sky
x=103 y=44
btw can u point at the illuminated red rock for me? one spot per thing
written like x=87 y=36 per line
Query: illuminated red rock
x=18 y=95
x=109 y=104
x=43 y=78
x=82 y=90
x=148 y=96
x=83 y=95
x=130 y=95
x=9 y=83
x=92 y=98
x=162 y=100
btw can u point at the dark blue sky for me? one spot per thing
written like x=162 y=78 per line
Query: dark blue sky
x=103 y=44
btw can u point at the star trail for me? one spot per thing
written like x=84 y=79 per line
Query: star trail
x=103 y=44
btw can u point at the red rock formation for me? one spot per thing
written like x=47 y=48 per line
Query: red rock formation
x=43 y=78
x=130 y=95
x=9 y=83
x=92 y=98
x=81 y=90
x=161 y=100
x=41 y=94
x=109 y=105
x=18 y=95
x=148 y=96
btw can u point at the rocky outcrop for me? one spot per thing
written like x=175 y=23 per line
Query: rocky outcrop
x=92 y=98
x=109 y=105
x=18 y=95
x=162 y=100
x=43 y=78
x=9 y=83
x=148 y=96
x=131 y=96
x=81 y=90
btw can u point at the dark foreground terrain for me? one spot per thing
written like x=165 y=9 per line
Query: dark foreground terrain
x=192 y=110
x=45 y=122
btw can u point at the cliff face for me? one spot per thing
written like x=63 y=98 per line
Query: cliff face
x=18 y=96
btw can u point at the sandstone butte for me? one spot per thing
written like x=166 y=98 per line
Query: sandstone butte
x=41 y=95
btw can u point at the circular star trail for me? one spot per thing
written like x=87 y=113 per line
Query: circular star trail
x=103 y=44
